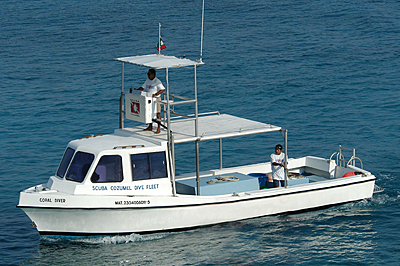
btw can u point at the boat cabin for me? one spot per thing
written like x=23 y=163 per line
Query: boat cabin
x=113 y=165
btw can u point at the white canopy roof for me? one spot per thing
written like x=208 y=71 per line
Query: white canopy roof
x=210 y=127
x=158 y=61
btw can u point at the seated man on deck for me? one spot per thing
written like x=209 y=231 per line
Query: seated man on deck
x=155 y=87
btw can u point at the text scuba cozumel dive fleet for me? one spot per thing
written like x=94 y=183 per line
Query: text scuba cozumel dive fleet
x=138 y=187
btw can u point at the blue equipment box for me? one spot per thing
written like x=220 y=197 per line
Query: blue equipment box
x=245 y=183
x=299 y=181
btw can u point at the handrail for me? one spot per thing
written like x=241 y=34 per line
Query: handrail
x=164 y=102
x=340 y=161
x=344 y=148
x=330 y=158
x=201 y=114
x=128 y=146
x=182 y=102
x=184 y=118
x=181 y=115
x=337 y=157
x=91 y=136
x=354 y=158
x=343 y=162
x=180 y=97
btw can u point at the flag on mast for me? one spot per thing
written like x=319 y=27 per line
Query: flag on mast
x=161 y=45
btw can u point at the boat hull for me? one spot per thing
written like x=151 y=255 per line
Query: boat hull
x=89 y=215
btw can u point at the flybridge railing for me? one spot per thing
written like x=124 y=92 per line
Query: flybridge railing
x=181 y=117
x=173 y=103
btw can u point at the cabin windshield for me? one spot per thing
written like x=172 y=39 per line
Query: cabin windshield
x=148 y=166
x=65 y=162
x=109 y=169
x=79 y=166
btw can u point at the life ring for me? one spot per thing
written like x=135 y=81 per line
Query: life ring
x=351 y=174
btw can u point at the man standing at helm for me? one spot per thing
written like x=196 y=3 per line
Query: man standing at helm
x=278 y=166
x=155 y=87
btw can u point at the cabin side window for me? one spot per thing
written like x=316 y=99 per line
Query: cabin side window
x=148 y=166
x=109 y=169
x=79 y=166
x=65 y=162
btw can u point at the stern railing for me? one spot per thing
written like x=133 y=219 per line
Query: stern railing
x=342 y=162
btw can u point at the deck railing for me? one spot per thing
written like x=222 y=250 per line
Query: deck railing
x=341 y=161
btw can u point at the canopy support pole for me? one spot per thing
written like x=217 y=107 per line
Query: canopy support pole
x=121 y=101
x=286 y=158
x=220 y=154
x=196 y=132
x=170 y=139
x=168 y=109
x=172 y=164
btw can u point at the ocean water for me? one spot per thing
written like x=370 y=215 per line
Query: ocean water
x=328 y=71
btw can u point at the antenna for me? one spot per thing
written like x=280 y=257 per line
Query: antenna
x=202 y=30
x=159 y=38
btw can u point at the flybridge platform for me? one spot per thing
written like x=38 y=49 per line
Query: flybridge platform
x=214 y=126
x=184 y=128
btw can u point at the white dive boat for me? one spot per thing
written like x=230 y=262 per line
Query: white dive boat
x=124 y=182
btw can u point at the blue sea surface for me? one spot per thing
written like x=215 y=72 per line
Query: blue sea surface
x=328 y=71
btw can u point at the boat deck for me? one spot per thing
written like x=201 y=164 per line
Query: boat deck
x=214 y=126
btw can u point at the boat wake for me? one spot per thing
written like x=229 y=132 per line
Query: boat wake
x=105 y=240
x=385 y=198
